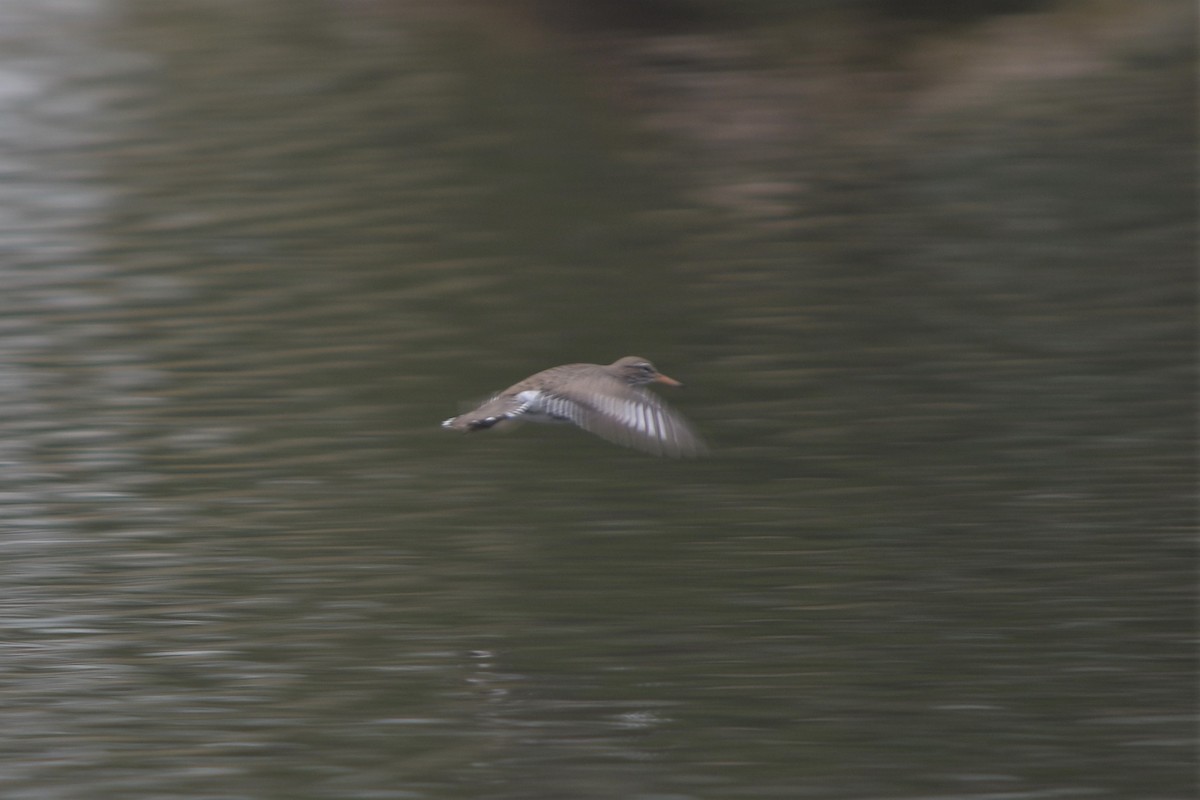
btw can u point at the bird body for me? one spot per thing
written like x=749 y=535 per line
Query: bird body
x=606 y=400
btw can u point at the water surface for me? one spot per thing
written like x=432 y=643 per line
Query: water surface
x=253 y=253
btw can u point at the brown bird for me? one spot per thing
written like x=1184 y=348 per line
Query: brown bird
x=605 y=400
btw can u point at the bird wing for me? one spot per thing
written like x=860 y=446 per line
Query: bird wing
x=628 y=416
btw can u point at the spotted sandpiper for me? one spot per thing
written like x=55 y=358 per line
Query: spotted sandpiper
x=605 y=400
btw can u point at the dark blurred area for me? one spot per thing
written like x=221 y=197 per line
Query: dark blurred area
x=677 y=16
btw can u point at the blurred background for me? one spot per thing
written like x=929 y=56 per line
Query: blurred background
x=927 y=270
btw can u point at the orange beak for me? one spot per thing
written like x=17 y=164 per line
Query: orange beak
x=668 y=381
